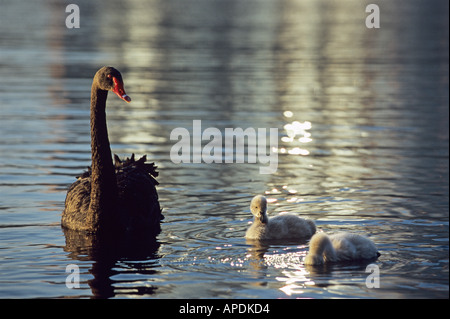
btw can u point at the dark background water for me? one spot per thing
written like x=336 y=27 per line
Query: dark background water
x=362 y=116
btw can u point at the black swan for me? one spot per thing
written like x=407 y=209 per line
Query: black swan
x=112 y=197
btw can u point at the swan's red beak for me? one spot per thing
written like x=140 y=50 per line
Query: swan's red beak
x=120 y=91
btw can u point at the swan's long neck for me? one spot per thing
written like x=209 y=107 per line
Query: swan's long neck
x=328 y=250
x=104 y=192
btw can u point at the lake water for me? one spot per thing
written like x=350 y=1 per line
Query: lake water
x=363 y=131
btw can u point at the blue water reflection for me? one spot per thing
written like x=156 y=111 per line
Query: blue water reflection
x=362 y=116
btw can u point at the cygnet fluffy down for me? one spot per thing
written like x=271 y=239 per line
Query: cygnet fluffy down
x=339 y=247
x=283 y=226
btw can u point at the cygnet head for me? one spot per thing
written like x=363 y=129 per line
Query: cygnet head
x=258 y=207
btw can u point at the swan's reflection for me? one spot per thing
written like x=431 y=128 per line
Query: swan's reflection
x=256 y=253
x=295 y=276
x=112 y=256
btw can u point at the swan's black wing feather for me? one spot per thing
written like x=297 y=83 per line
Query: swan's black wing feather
x=137 y=193
x=77 y=203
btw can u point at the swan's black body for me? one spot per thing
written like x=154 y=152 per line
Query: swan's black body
x=138 y=205
x=119 y=197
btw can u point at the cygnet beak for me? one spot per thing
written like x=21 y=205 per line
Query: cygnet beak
x=262 y=217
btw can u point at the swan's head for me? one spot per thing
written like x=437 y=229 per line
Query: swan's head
x=313 y=260
x=110 y=79
x=320 y=250
x=258 y=207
